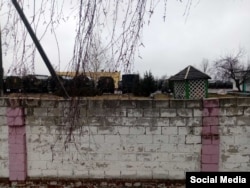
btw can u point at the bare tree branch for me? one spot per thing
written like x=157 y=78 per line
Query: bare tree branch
x=122 y=20
x=231 y=67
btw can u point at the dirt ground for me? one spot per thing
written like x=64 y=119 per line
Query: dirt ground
x=89 y=183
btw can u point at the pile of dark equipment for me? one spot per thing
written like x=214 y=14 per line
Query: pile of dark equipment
x=80 y=85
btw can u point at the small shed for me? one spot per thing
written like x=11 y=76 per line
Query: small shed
x=190 y=83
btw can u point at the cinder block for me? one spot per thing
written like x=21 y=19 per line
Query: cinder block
x=195 y=121
x=134 y=112
x=111 y=157
x=184 y=130
x=190 y=139
x=177 y=103
x=152 y=148
x=169 y=130
x=17 y=149
x=177 y=139
x=159 y=139
x=161 y=122
x=228 y=102
x=239 y=121
x=189 y=148
x=65 y=173
x=226 y=140
x=152 y=112
x=160 y=157
x=230 y=121
x=144 y=174
x=144 y=157
x=96 y=156
x=40 y=112
x=211 y=103
x=207 y=139
x=15 y=121
x=153 y=130
x=17 y=176
x=241 y=139
x=112 y=139
x=243 y=101
x=177 y=121
x=4 y=173
x=210 y=149
x=145 y=121
x=197 y=112
x=160 y=174
x=161 y=103
x=176 y=174
x=210 y=112
x=144 y=139
x=128 y=174
x=81 y=173
x=247 y=111
x=3 y=111
x=144 y=103
x=133 y=148
x=184 y=112
x=209 y=167
x=136 y=130
x=56 y=112
x=50 y=173
x=168 y=112
x=210 y=121
x=111 y=104
x=12 y=112
x=193 y=103
x=37 y=165
x=98 y=174
x=231 y=111
x=168 y=148
x=122 y=130
x=129 y=121
x=106 y=130
x=112 y=174
x=35 y=173
x=210 y=159
x=128 y=156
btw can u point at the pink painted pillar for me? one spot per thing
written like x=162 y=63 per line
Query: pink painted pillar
x=210 y=136
x=17 y=144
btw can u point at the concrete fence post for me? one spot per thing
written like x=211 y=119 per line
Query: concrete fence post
x=210 y=136
x=17 y=144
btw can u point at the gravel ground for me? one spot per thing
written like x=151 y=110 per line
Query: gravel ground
x=42 y=183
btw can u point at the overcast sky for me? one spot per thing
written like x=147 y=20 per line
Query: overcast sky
x=210 y=29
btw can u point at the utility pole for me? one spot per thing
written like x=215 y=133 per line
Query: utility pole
x=39 y=47
x=1 y=66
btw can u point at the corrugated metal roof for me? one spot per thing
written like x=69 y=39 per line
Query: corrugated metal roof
x=190 y=73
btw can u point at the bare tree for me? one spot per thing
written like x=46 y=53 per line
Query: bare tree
x=231 y=67
x=122 y=20
x=99 y=58
x=205 y=66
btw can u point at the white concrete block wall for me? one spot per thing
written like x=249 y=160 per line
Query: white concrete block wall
x=143 y=141
x=234 y=133
x=127 y=139
x=4 y=152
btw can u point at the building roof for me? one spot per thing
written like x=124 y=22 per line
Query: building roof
x=190 y=73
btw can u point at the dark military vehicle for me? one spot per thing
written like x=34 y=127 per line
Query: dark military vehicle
x=35 y=83
x=13 y=84
x=80 y=85
x=129 y=82
x=106 y=84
